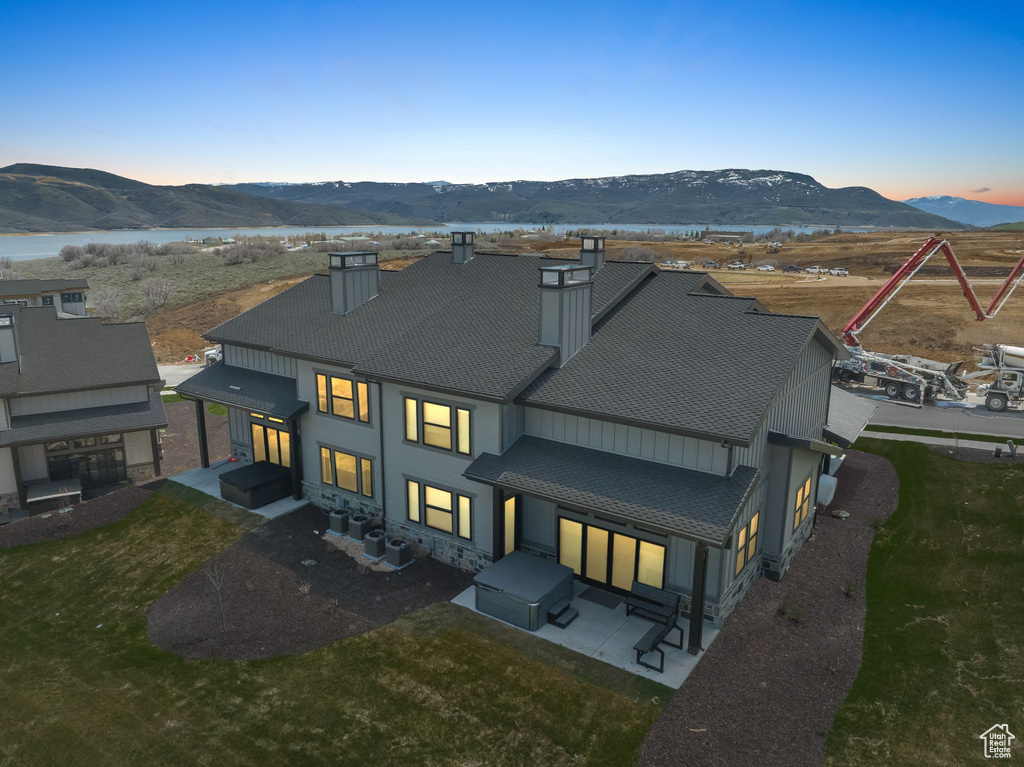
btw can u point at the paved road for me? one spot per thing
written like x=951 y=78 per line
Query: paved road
x=175 y=374
x=957 y=417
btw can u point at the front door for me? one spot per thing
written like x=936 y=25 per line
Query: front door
x=606 y=558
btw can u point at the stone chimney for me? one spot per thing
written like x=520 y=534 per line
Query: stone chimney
x=355 y=279
x=565 y=308
x=592 y=252
x=462 y=247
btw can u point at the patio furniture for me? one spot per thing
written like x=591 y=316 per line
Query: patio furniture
x=657 y=605
x=256 y=485
x=373 y=544
x=339 y=522
x=521 y=589
x=648 y=643
x=398 y=553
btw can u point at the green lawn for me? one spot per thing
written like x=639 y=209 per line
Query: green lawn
x=936 y=433
x=81 y=685
x=944 y=637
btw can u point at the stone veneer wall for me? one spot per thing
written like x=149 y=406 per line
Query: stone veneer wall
x=9 y=502
x=142 y=473
x=776 y=566
x=242 y=452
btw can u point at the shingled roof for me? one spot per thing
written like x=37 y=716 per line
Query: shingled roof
x=691 y=503
x=11 y=288
x=57 y=355
x=470 y=328
x=673 y=357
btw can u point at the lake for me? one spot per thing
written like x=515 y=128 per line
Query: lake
x=20 y=247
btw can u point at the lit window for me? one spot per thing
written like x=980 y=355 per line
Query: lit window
x=412 y=489
x=463 y=436
x=438 y=506
x=465 y=518
x=746 y=543
x=412 y=432
x=275 y=420
x=342 y=399
x=364 y=402
x=255 y=415
x=321 y=393
x=345 y=470
x=440 y=509
x=326 y=471
x=366 y=477
x=803 y=503
x=437 y=425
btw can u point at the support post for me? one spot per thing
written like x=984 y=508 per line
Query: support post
x=296 y=467
x=700 y=576
x=155 y=442
x=16 y=461
x=204 y=449
x=497 y=547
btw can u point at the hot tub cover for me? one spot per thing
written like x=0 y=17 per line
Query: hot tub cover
x=524 y=577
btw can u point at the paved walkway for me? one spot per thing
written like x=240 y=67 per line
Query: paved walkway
x=948 y=442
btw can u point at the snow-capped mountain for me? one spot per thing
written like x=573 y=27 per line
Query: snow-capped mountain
x=973 y=212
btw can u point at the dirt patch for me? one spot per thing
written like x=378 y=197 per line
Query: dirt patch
x=179 y=332
x=770 y=685
x=273 y=604
x=181 y=438
x=84 y=516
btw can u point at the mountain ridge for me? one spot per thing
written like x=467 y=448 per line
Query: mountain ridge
x=728 y=196
x=973 y=212
x=50 y=198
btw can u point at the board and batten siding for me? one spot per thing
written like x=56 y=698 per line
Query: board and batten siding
x=138 y=448
x=238 y=426
x=32 y=459
x=8 y=482
x=76 y=400
x=661 y=447
x=263 y=361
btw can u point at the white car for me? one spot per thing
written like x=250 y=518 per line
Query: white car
x=813 y=270
x=839 y=272
x=736 y=265
x=766 y=268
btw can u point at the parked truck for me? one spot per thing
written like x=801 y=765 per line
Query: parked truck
x=1006 y=364
x=903 y=376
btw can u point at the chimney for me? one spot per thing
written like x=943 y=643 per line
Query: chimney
x=462 y=247
x=565 y=308
x=355 y=279
x=8 y=345
x=592 y=252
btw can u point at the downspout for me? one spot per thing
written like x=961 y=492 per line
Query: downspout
x=383 y=480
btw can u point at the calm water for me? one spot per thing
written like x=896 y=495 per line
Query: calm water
x=21 y=247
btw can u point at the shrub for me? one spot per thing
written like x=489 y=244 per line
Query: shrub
x=791 y=610
x=70 y=253
x=176 y=248
x=8 y=274
x=102 y=262
x=87 y=259
x=155 y=293
x=637 y=254
x=176 y=259
x=107 y=301
x=5 y=263
x=76 y=264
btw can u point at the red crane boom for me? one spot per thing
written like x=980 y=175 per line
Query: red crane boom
x=906 y=272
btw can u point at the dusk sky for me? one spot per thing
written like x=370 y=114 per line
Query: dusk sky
x=907 y=98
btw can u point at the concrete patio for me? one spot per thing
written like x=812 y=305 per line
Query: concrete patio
x=208 y=481
x=608 y=635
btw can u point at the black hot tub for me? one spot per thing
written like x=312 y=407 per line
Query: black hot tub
x=520 y=589
x=256 y=485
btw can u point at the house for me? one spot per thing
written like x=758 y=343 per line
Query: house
x=711 y=235
x=80 y=405
x=632 y=424
x=68 y=296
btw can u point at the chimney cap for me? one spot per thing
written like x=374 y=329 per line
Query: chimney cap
x=592 y=243
x=463 y=238
x=564 y=275
x=353 y=260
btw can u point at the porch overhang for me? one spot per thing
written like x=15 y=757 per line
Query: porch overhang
x=667 y=499
x=848 y=414
x=803 y=443
x=69 y=424
x=253 y=390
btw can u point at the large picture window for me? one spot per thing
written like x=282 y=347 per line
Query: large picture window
x=343 y=397
x=439 y=509
x=609 y=558
x=746 y=543
x=446 y=427
x=93 y=461
x=349 y=472
x=803 y=503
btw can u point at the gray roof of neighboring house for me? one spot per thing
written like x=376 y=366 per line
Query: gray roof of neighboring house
x=10 y=288
x=693 y=362
x=682 y=501
x=66 y=424
x=248 y=389
x=57 y=355
x=470 y=327
x=848 y=414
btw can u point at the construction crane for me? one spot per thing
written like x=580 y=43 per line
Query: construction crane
x=914 y=379
x=906 y=273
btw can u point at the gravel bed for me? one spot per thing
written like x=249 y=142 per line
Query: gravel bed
x=87 y=515
x=768 y=688
x=973 y=455
x=181 y=439
x=276 y=605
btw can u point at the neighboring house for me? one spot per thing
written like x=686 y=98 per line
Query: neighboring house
x=67 y=296
x=635 y=425
x=79 y=405
x=711 y=235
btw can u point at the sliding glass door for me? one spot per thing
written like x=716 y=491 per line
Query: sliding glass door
x=607 y=558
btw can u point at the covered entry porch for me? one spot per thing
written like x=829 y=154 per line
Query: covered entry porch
x=269 y=412
x=626 y=527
